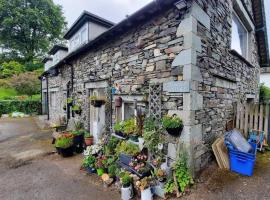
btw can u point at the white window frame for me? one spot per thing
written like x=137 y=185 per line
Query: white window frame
x=86 y=34
x=245 y=54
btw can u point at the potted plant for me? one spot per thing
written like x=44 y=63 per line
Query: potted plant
x=161 y=177
x=89 y=164
x=64 y=145
x=77 y=109
x=118 y=129
x=78 y=140
x=97 y=101
x=101 y=164
x=144 y=186
x=172 y=124
x=69 y=101
x=126 y=190
x=130 y=129
x=88 y=139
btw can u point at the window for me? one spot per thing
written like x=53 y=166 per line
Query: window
x=53 y=99
x=84 y=37
x=75 y=42
x=239 y=41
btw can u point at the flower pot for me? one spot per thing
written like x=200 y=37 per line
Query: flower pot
x=118 y=102
x=90 y=170
x=126 y=193
x=121 y=134
x=146 y=194
x=134 y=138
x=175 y=131
x=89 y=141
x=68 y=152
x=100 y=172
x=97 y=103
x=78 y=112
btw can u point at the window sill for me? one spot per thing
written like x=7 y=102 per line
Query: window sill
x=235 y=53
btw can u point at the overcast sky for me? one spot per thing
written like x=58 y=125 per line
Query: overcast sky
x=116 y=10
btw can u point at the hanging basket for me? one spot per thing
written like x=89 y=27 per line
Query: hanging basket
x=175 y=131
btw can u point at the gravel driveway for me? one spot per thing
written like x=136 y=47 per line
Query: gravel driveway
x=29 y=170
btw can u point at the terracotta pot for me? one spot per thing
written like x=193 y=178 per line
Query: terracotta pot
x=89 y=141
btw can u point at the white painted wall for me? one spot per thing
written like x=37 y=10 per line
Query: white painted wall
x=95 y=30
x=265 y=78
x=79 y=38
x=58 y=56
x=48 y=65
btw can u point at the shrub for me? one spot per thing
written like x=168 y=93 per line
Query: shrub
x=27 y=106
x=129 y=126
x=89 y=161
x=264 y=93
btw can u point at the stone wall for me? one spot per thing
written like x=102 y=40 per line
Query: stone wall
x=188 y=54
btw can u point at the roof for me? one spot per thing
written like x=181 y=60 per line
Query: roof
x=261 y=32
x=155 y=7
x=85 y=17
x=46 y=59
x=56 y=48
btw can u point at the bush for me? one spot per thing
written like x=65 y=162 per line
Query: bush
x=264 y=93
x=28 y=107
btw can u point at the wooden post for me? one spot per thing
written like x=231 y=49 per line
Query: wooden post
x=246 y=119
x=261 y=117
x=238 y=115
x=256 y=117
x=251 y=116
x=266 y=121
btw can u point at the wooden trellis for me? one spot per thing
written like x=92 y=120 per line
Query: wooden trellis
x=155 y=92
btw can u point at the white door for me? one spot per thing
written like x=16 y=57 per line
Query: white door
x=97 y=116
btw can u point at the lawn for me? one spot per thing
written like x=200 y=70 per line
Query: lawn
x=7 y=92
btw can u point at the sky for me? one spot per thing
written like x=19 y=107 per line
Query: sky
x=116 y=10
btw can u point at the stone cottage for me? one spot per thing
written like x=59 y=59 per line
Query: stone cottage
x=193 y=58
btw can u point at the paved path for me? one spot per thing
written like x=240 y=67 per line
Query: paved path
x=30 y=171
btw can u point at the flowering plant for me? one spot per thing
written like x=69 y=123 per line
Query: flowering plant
x=101 y=162
x=139 y=162
x=93 y=150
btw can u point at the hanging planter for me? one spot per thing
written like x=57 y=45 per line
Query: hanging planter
x=77 y=109
x=97 y=101
x=69 y=101
x=65 y=107
x=118 y=102
x=173 y=125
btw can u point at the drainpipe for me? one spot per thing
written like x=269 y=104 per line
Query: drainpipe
x=71 y=81
x=47 y=107
x=41 y=92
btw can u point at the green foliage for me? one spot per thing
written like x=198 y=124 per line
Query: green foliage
x=151 y=140
x=264 y=93
x=26 y=83
x=112 y=170
x=27 y=106
x=29 y=27
x=150 y=124
x=33 y=66
x=11 y=68
x=126 y=180
x=89 y=161
x=169 y=187
x=129 y=126
x=5 y=93
x=171 y=121
x=119 y=127
x=64 y=142
x=111 y=146
x=183 y=176
x=76 y=108
x=78 y=125
x=127 y=148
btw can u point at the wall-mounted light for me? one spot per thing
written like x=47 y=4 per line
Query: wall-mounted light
x=181 y=4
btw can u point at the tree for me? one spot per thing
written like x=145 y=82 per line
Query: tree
x=28 y=27
x=26 y=83
x=8 y=69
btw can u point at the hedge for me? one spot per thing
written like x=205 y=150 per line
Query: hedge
x=27 y=106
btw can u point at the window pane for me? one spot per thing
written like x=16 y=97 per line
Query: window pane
x=84 y=36
x=239 y=36
x=129 y=110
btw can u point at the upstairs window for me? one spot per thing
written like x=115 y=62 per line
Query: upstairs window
x=239 y=41
x=84 y=36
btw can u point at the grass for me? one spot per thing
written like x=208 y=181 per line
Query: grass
x=7 y=92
